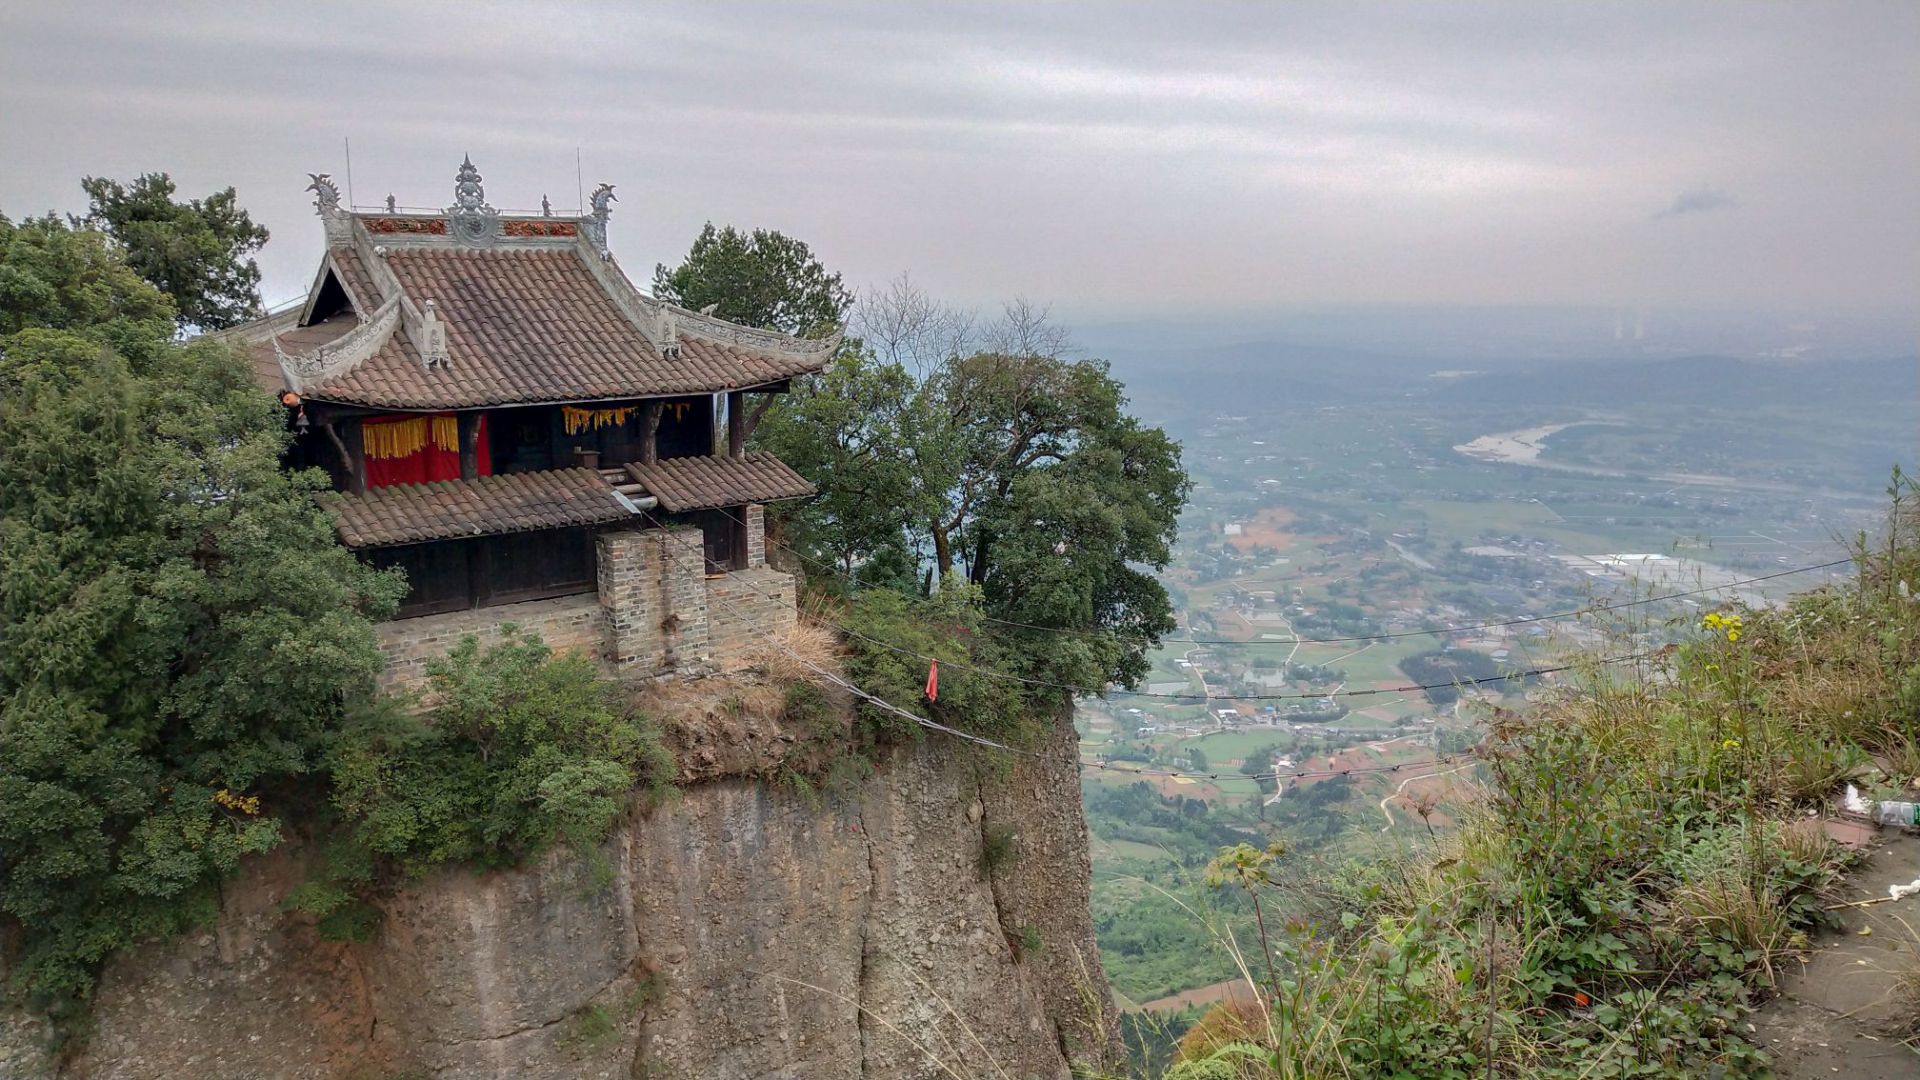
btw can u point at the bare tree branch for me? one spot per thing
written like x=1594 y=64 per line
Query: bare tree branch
x=903 y=325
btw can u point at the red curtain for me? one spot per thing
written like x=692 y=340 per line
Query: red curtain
x=417 y=448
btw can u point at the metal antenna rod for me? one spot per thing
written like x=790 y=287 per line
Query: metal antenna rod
x=349 y=145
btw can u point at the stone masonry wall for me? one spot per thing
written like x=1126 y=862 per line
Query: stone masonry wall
x=653 y=587
x=745 y=606
x=656 y=611
x=564 y=623
x=756 y=536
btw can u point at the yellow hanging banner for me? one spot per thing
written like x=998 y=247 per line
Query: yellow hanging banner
x=578 y=420
x=405 y=438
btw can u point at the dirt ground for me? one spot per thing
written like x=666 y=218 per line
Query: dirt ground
x=1201 y=995
x=1268 y=527
x=1834 y=1014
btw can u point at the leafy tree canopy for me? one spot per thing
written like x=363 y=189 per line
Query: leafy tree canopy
x=57 y=277
x=762 y=278
x=178 y=627
x=196 y=252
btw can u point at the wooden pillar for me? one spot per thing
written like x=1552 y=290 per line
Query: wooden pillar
x=736 y=424
x=469 y=444
x=353 y=461
x=649 y=432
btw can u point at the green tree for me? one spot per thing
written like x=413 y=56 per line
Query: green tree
x=178 y=628
x=863 y=433
x=1062 y=506
x=982 y=452
x=196 y=252
x=763 y=278
x=57 y=277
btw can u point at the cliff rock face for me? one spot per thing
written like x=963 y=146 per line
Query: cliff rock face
x=746 y=929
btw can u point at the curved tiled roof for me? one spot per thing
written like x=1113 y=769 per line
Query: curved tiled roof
x=531 y=325
x=531 y=318
x=487 y=506
x=706 y=483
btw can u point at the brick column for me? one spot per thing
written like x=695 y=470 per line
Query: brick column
x=683 y=582
x=630 y=598
x=756 y=519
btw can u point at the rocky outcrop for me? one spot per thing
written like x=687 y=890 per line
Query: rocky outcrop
x=745 y=929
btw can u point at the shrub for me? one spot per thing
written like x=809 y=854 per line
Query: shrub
x=888 y=635
x=521 y=750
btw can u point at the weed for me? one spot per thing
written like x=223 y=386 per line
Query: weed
x=588 y=1031
x=648 y=991
x=1027 y=942
x=999 y=848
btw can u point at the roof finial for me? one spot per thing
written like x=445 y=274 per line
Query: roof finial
x=546 y=208
x=326 y=194
x=390 y=204
x=472 y=220
x=595 y=226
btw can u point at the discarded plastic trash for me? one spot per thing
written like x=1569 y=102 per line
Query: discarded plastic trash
x=1901 y=892
x=1896 y=813
x=1884 y=813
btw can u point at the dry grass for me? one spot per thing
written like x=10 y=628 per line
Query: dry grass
x=1906 y=999
x=798 y=655
x=740 y=696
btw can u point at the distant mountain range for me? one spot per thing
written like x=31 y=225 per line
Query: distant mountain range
x=1318 y=374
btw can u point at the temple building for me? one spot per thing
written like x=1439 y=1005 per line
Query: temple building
x=531 y=438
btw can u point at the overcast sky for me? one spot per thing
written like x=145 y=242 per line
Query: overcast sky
x=1114 y=160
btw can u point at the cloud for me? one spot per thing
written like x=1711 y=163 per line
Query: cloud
x=1698 y=201
x=1117 y=159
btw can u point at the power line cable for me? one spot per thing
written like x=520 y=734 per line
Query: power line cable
x=1190 y=697
x=836 y=679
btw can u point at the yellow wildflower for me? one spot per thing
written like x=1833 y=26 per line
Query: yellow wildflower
x=1733 y=635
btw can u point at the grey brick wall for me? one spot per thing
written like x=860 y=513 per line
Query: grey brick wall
x=746 y=606
x=756 y=520
x=565 y=623
x=656 y=611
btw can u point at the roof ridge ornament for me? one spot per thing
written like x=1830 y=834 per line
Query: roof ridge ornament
x=669 y=333
x=340 y=356
x=433 y=339
x=337 y=222
x=471 y=221
x=595 y=226
x=326 y=193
